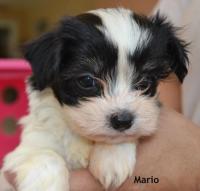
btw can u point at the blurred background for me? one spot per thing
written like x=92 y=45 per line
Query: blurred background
x=22 y=20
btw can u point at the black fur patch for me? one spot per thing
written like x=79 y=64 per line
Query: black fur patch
x=163 y=54
x=90 y=19
x=78 y=47
x=75 y=48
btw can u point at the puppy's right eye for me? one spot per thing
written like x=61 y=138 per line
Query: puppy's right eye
x=87 y=82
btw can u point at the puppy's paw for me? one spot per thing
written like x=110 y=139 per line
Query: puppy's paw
x=38 y=171
x=112 y=164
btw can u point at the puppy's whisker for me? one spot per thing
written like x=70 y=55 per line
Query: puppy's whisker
x=139 y=82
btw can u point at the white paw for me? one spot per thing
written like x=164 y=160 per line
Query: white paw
x=39 y=171
x=77 y=155
x=112 y=164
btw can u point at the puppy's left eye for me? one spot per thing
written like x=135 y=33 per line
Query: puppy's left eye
x=87 y=82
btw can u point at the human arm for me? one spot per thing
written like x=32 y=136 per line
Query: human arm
x=169 y=92
x=172 y=155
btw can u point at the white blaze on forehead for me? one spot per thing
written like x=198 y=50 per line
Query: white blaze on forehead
x=120 y=28
x=124 y=74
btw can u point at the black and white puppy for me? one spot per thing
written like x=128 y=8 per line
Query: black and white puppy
x=92 y=95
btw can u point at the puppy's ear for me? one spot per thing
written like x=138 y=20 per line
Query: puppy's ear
x=42 y=56
x=176 y=49
x=178 y=57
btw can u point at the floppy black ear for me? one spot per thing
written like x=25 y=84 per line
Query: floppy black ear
x=42 y=56
x=176 y=49
x=178 y=57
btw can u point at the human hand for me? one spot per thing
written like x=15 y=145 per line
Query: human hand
x=172 y=155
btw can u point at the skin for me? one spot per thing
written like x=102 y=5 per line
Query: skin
x=172 y=154
x=169 y=91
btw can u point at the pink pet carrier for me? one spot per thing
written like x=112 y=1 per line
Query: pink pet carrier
x=13 y=102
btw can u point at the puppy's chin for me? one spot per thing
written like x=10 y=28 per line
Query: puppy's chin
x=112 y=139
x=109 y=138
x=116 y=138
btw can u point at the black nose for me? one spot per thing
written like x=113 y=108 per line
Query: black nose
x=121 y=120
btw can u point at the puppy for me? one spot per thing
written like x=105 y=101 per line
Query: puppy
x=92 y=95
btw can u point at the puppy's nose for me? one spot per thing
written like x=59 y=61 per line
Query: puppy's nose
x=122 y=121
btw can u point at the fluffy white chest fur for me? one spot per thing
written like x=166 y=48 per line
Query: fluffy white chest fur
x=49 y=149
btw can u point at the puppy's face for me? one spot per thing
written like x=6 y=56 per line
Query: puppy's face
x=104 y=67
